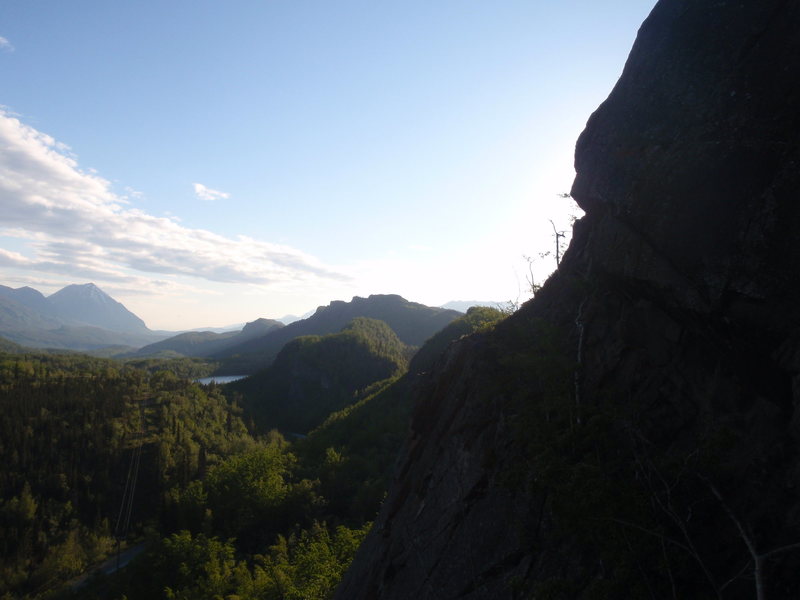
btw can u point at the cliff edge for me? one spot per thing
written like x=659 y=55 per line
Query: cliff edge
x=633 y=430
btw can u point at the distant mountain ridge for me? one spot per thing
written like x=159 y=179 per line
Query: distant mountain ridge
x=83 y=317
x=27 y=296
x=17 y=317
x=207 y=343
x=77 y=317
x=89 y=305
x=412 y=322
x=11 y=347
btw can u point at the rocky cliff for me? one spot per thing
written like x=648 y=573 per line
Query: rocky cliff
x=633 y=431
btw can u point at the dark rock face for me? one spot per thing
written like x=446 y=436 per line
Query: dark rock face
x=694 y=154
x=633 y=431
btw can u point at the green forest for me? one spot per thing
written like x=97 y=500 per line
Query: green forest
x=204 y=486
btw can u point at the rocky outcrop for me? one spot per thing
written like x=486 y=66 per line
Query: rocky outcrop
x=633 y=430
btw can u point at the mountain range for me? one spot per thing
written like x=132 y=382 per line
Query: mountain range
x=83 y=317
x=207 y=343
x=413 y=323
x=77 y=317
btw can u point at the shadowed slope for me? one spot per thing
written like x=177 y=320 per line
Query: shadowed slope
x=631 y=432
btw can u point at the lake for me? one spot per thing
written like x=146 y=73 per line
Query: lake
x=220 y=379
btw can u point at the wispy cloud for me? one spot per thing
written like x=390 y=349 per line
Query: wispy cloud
x=132 y=193
x=6 y=45
x=205 y=193
x=73 y=224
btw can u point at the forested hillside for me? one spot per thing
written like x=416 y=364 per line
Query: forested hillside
x=313 y=376
x=69 y=426
x=9 y=346
x=412 y=322
x=207 y=343
x=221 y=510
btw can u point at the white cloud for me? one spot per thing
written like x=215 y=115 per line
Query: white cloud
x=132 y=193
x=73 y=224
x=205 y=193
x=5 y=44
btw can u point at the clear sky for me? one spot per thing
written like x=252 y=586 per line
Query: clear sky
x=209 y=162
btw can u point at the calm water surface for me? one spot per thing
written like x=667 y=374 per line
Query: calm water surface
x=220 y=379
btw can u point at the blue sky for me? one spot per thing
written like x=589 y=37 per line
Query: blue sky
x=209 y=163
